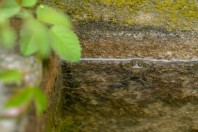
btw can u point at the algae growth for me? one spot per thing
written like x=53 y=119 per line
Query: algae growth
x=179 y=14
x=95 y=98
x=103 y=97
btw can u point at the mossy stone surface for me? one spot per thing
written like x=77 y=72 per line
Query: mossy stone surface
x=179 y=14
x=107 y=96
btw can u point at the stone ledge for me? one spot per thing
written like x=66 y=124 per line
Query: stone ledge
x=165 y=13
x=105 y=40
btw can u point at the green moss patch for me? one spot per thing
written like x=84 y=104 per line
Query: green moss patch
x=180 y=14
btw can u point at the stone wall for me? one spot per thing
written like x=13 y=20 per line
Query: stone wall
x=105 y=91
x=156 y=13
x=88 y=96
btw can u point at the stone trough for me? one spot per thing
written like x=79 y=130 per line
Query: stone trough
x=129 y=81
x=117 y=96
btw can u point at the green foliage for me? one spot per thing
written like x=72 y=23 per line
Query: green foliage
x=7 y=36
x=40 y=100
x=41 y=32
x=10 y=76
x=36 y=32
x=21 y=98
x=28 y=3
x=8 y=9
x=25 y=96
x=55 y=17
x=34 y=38
x=66 y=45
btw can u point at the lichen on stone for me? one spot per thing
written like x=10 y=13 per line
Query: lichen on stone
x=171 y=15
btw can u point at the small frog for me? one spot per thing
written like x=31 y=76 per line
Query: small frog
x=136 y=70
x=136 y=66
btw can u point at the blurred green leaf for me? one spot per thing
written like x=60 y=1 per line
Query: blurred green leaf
x=34 y=38
x=28 y=3
x=10 y=76
x=25 y=14
x=27 y=42
x=8 y=9
x=26 y=95
x=65 y=43
x=40 y=100
x=22 y=97
x=51 y=16
x=7 y=36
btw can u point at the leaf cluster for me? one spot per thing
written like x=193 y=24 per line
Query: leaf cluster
x=26 y=96
x=42 y=32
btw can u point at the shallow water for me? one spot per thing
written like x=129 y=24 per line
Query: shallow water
x=130 y=95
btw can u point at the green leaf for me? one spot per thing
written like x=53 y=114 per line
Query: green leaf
x=26 y=95
x=11 y=76
x=34 y=38
x=65 y=43
x=51 y=16
x=28 y=3
x=7 y=36
x=9 y=9
x=40 y=100
x=27 y=42
x=8 y=12
x=22 y=97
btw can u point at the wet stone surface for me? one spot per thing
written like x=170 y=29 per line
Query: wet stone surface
x=130 y=96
